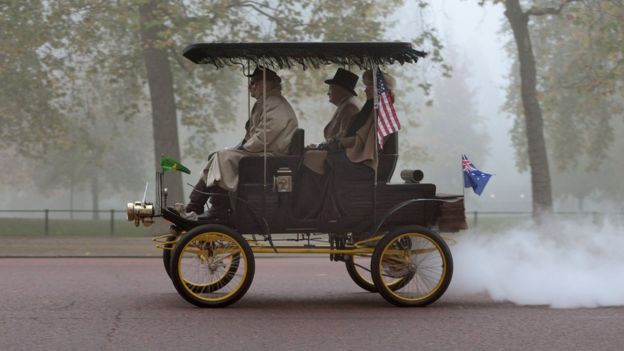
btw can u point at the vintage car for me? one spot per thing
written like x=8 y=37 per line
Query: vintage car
x=387 y=233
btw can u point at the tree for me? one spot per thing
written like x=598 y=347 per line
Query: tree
x=518 y=18
x=30 y=123
x=163 y=28
x=580 y=90
x=101 y=150
x=538 y=159
x=160 y=81
x=134 y=46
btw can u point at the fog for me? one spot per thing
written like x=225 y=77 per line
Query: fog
x=571 y=263
x=567 y=264
x=473 y=38
x=474 y=32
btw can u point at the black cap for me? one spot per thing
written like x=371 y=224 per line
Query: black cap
x=345 y=79
x=270 y=75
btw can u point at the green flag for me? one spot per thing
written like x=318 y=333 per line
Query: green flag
x=168 y=164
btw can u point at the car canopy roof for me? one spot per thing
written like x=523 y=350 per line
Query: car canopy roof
x=289 y=54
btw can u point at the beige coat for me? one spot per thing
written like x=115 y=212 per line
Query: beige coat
x=281 y=123
x=359 y=148
x=342 y=118
x=335 y=129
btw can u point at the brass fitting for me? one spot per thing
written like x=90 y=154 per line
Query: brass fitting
x=140 y=212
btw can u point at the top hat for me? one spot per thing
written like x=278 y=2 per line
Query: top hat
x=270 y=75
x=344 y=79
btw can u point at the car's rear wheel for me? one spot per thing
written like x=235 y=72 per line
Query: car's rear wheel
x=359 y=269
x=419 y=258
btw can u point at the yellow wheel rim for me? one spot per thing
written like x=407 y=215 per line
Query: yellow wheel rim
x=206 y=260
x=417 y=258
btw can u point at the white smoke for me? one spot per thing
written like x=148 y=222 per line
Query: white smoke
x=563 y=265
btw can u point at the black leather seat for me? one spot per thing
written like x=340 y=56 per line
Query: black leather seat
x=388 y=158
x=297 y=143
x=251 y=167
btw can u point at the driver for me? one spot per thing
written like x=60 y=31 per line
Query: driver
x=221 y=173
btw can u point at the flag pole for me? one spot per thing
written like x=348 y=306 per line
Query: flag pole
x=264 y=141
x=375 y=117
x=248 y=73
x=462 y=183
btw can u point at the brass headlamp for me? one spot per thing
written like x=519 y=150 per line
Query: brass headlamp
x=141 y=212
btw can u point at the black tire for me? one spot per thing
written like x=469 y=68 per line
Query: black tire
x=367 y=283
x=166 y=255
x=203 y=248
x=357 y=278
x=395 y=257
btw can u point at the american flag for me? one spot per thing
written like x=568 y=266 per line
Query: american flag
x=387 y=119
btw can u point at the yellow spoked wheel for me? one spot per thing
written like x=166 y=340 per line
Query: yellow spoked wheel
x=212 y=266
x=419 y=258
x=358 y=267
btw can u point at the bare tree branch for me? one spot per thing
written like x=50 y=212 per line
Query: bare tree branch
x=178 y=59
x=263 y=9
x=277 y=20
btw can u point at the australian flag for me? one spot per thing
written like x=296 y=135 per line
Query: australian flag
x=474 y=178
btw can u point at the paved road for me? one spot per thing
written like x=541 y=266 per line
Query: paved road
x=299 y=303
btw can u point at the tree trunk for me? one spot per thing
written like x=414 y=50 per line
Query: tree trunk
x=538 y=159
x=160 y=81
x=95 y=198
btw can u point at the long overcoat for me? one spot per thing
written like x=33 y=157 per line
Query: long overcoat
x=281 y=123
x=359 y=148
x=342 y=118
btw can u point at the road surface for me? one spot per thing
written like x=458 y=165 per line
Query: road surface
x=295 y=303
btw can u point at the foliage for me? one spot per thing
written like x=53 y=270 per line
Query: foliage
x=30 y=123
x=582 y=182
x=74 y=77
x=580 y=59
x=580 y=70
x=204 y=97
x=100 y=147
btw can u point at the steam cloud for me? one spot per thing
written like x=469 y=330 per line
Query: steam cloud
x=563 y=265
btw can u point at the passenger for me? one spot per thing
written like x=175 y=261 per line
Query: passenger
x=327 y=176
x=342 y=94
x=358 y=143
x=221 y=173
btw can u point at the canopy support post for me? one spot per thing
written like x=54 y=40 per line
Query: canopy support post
x=264 y=140
x=247 y=74
x=376 y=154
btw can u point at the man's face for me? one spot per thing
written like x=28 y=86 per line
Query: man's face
x=336 y=93
x=255 y=87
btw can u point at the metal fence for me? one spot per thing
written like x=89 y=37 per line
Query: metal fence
x=40 y=221
x=113 y=222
